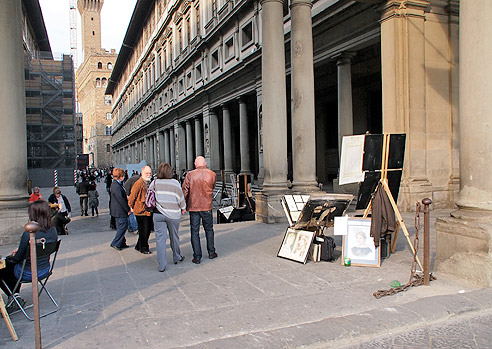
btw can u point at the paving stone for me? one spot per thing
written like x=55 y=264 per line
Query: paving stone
x=419 y=337
x=246 y=298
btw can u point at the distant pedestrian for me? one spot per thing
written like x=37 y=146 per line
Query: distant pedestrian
x=108 y=181
x=83 y=190
x=136 y=200
x=170 y=205
x=93 y=199
x=119 y=209
x=36 y=195
x=198 y=189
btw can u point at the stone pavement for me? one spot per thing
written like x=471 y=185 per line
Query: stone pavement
x=245 y=298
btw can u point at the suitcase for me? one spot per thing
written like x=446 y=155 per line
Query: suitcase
x=327 y=247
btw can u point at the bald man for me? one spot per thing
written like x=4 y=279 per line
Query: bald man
x=198 y=189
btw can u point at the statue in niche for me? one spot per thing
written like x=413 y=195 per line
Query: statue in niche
x=176 y=145
x=260 y=127
x=206 y=140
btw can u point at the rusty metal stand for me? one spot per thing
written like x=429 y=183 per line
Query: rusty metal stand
x=32 y=228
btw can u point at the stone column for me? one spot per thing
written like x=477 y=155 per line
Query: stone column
x=464 y=240
x=198 y=137
x=302 y=103
x=155 y=160
x=244 y=137
x=167 y=157
x=226 y=130
x=274 y=113
x=182 y=165
x=345 y=113
x=13 y=153
x=172 y=143
x=189 y=146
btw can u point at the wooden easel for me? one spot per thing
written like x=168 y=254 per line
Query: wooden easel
x=384 y=182
x=5 y=315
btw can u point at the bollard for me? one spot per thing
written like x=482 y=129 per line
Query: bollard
x=32 y=228
x=426 y=203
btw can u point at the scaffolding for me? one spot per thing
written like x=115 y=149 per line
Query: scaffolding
x=50 y=113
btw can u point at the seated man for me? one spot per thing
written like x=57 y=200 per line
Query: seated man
x=61 y=211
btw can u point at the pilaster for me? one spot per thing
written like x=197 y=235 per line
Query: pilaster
x=13 y=155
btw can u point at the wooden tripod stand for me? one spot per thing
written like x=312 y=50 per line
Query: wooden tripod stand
x=384 y=183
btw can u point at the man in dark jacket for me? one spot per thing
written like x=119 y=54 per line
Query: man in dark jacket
x=119 y=209
x=83 y=190
x=198 y=189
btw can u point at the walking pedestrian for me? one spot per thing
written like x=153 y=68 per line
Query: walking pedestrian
x=83 y=190
x=93 y=199
x=119 y=209
x=198 y=189
x=170 y=205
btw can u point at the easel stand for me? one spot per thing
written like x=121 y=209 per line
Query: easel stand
x=6 y=317
x=384 y=183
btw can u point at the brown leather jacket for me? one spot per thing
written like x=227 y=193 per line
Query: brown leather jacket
x=198 y=189
x=136 y=200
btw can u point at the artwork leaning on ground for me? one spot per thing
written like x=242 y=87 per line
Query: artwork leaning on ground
x=295 y=245
x=358 y=244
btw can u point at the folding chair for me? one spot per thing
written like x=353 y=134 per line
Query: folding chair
x=41 y=251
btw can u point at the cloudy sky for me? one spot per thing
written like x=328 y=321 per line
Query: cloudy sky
x=115 y=16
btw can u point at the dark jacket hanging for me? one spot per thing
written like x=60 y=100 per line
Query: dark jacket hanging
x=383 y=216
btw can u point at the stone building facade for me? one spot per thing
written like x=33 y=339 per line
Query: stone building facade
x=188 y=81
x=92 y=78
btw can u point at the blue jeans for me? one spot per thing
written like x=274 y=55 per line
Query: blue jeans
x=121 y=226
x=207 y=220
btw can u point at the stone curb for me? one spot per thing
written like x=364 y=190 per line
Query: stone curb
x=355 y=328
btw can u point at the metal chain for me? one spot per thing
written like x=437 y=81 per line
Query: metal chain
x=415 y=278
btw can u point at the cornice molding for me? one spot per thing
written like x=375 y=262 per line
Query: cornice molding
x=404 y=8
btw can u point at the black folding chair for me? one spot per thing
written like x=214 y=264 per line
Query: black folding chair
x=42 y=250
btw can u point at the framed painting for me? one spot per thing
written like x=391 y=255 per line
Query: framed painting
x=295 y=245
x=358 y=244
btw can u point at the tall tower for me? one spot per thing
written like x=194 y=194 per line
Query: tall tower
x=91 y=80
x=90 y=11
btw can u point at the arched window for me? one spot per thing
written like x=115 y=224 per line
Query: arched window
x=104 y=82
x=98 y=82
x=99 y=65
x=110 y=66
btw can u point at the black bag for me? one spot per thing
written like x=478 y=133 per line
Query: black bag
x=327 y=247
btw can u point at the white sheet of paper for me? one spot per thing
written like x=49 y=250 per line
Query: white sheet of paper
x=351 y=160
x=341 y=225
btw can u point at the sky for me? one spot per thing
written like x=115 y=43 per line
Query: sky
x=115 y=17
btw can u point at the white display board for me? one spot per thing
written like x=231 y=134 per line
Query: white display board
x=351 y=160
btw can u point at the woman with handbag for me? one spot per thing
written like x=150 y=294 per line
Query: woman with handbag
x=40 y=212
x=169 y=206
x=136 y=200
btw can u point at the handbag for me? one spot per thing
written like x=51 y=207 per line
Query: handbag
x=150 y=200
